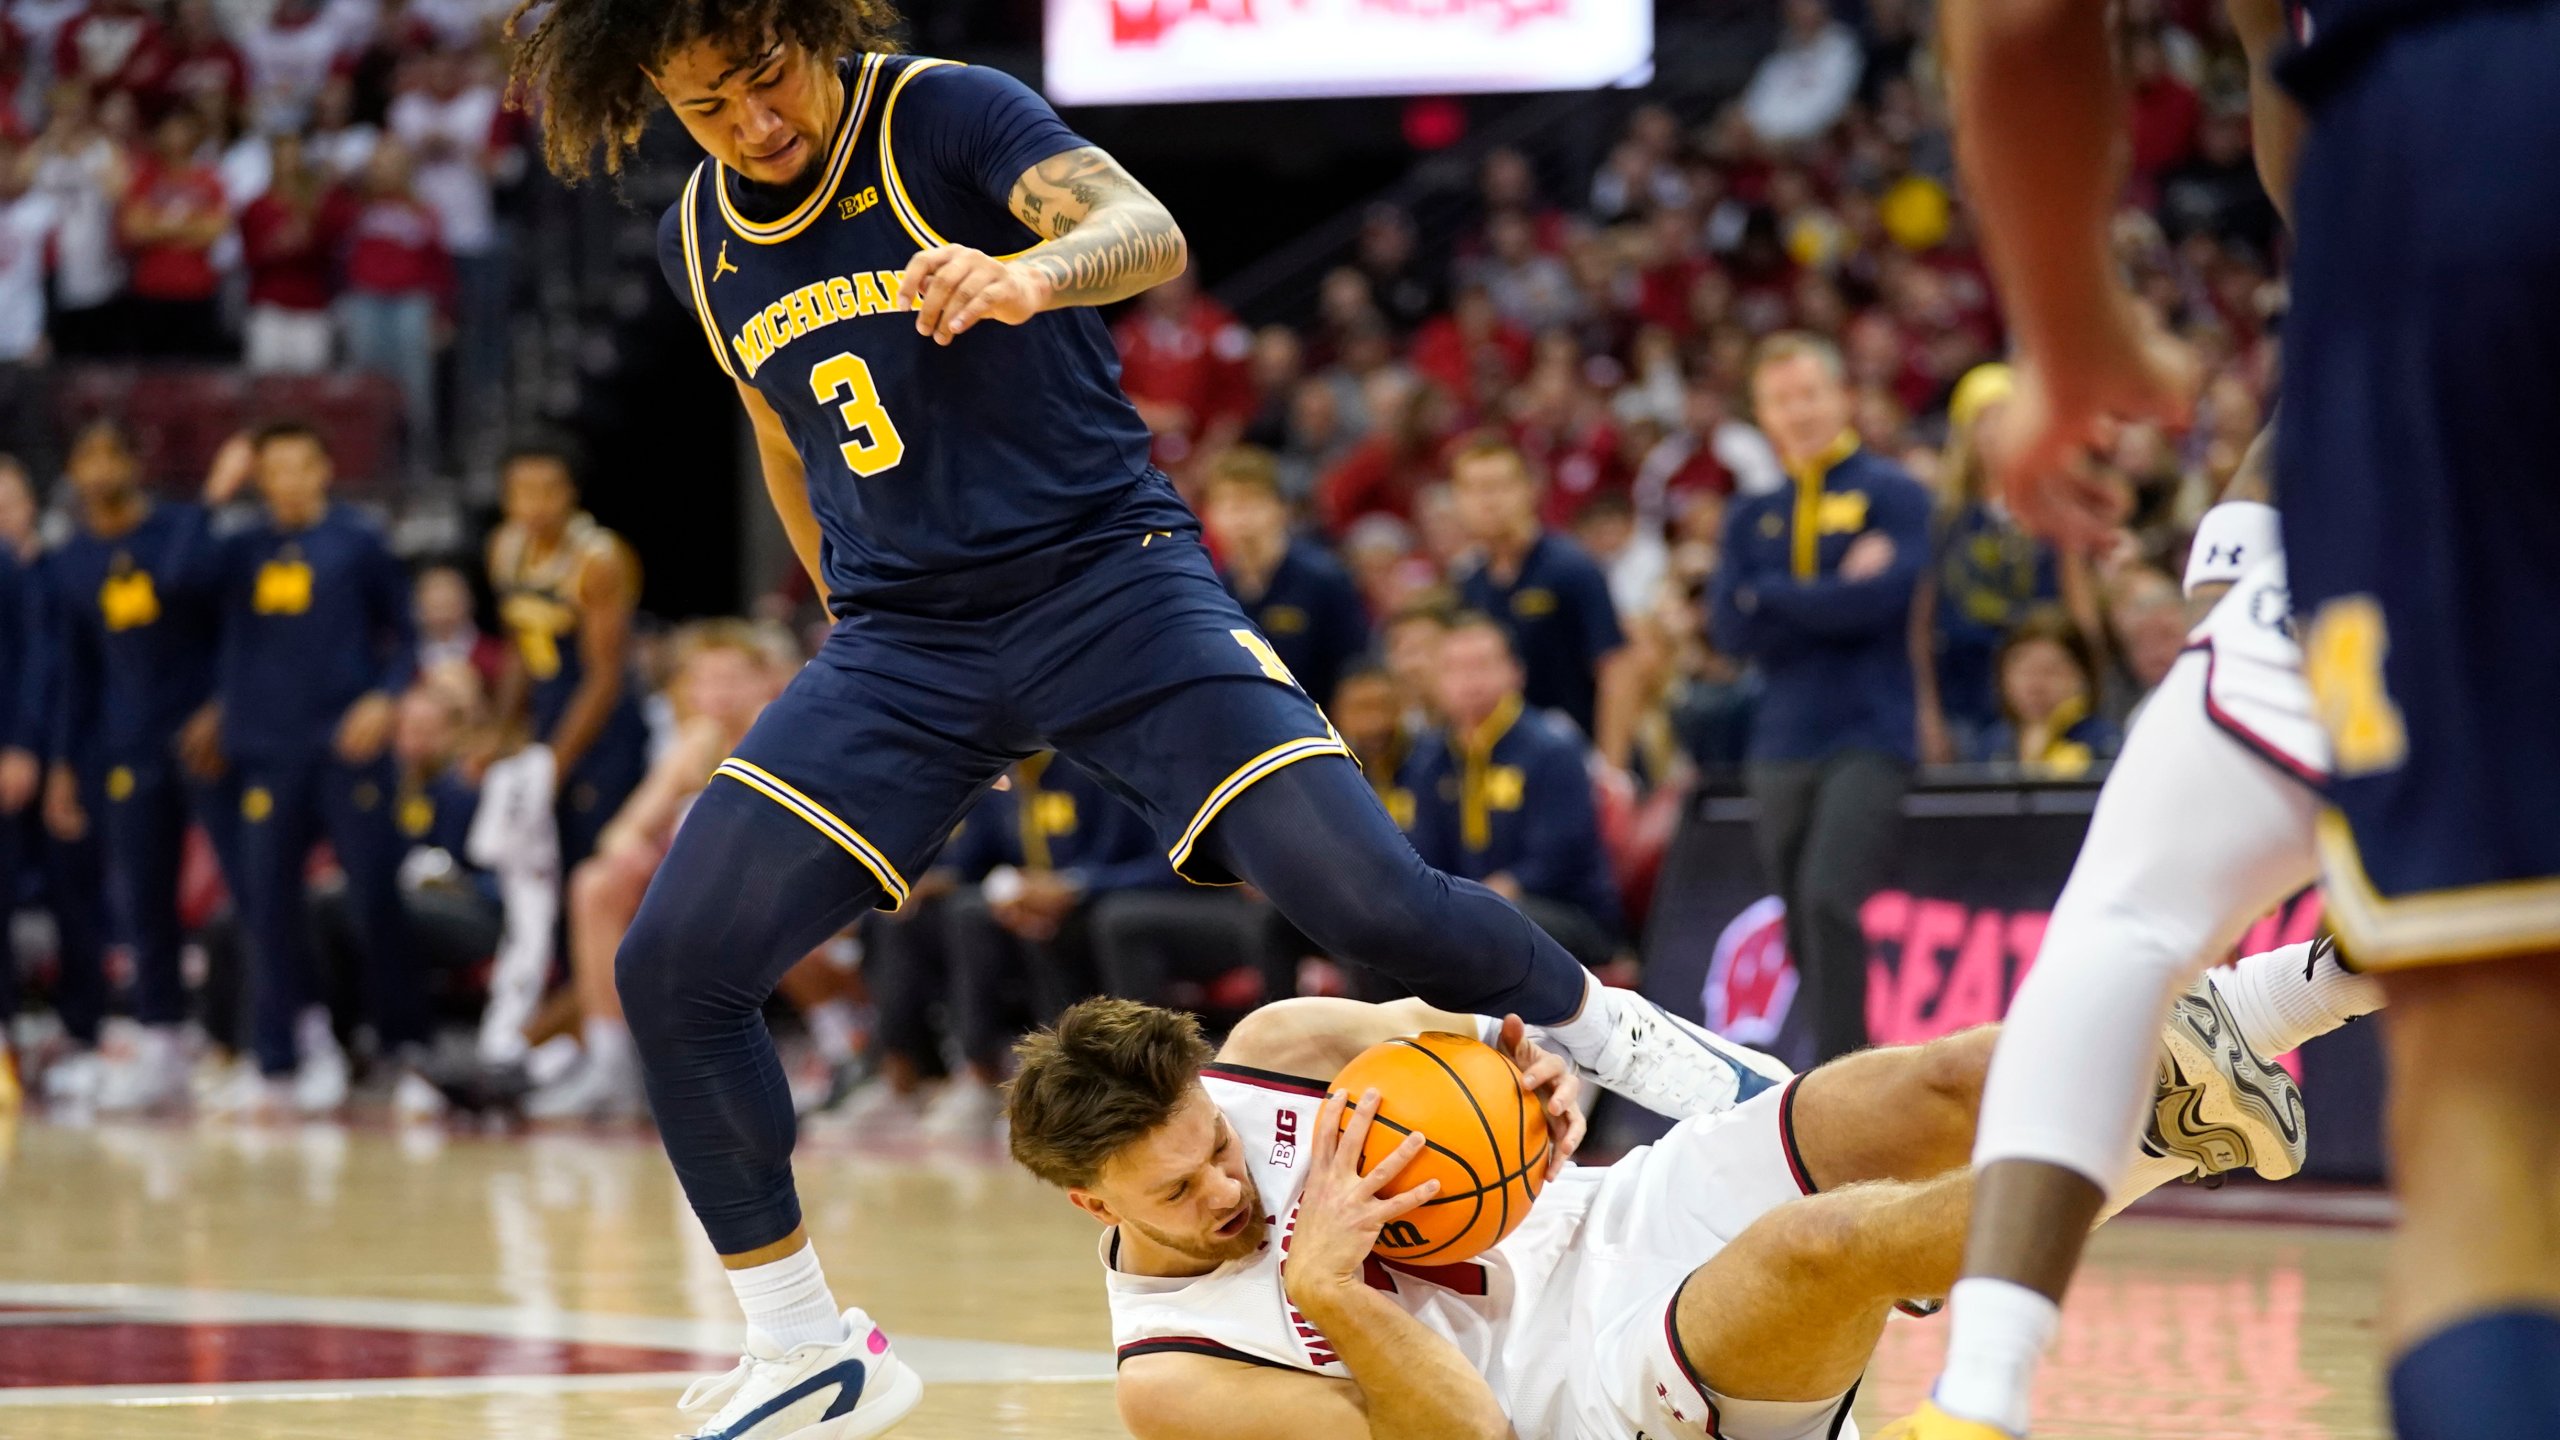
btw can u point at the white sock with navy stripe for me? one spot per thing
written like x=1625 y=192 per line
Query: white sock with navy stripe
x=787 y=1300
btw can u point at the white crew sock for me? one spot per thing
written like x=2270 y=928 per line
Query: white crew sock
x=607 y=1040
x=1998 y=1333
x=832 y=1030
x=1583 y=1036
x=312 y=1034
x=787 y=1300
x=2285 y=996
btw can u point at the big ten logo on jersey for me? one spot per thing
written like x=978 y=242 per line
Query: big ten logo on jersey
x=859 y=201
x=815 y=306
x=1284 y=1144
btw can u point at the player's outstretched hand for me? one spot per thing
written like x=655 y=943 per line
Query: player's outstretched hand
x=954 y=287
x=1340 y=1212
x=2041 y=441
x=1552 y=1074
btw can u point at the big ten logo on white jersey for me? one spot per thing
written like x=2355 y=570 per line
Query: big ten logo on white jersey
x=1284 y=1142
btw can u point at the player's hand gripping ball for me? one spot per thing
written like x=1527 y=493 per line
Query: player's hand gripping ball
x=1491 y=1136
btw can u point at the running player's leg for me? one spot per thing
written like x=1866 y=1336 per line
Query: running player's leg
x=2425 y=520
x=2194 y=837
x=846 y=785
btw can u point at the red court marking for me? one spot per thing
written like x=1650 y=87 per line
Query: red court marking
x=131 y=1352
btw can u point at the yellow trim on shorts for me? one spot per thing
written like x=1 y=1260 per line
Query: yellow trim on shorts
x=692 y=231
x=808 y=210
x=1278 y=757
x=764 y=782
x=2436 y=927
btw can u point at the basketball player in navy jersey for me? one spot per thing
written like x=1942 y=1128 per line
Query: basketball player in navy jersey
x=896 y=260
x=2420 y=518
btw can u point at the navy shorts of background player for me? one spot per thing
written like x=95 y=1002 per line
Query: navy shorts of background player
x=1010 y=575
x=135 y=620
x=2415 y=471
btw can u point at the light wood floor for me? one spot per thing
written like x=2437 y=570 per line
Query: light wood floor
x=224 y=1284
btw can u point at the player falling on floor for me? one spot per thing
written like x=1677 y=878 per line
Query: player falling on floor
x=1689 y=1290
x=944 y=435
x=2421 y=517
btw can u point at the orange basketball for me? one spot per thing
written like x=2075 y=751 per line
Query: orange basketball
x=1485 y=1141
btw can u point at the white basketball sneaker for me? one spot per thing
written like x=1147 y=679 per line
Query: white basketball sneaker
x=850 y=1391
x=1675 y=1067
x=2221 y=1102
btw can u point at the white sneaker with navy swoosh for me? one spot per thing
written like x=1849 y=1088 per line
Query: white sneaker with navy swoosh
x=848 y=1391
x=1676 y=1067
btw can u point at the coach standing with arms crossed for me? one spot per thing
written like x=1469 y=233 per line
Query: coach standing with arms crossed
x=1815 y=587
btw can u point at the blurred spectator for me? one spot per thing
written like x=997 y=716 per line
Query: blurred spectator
x=2147 y=616
x=1367 y=710
x=112 y=46
x=1297 y=596
x=171 y=220
x=1529 y=287
x=2166 y=113
x=28 y=219
x=204 y=72
x=1472 y=352
x=1502 y=795
x=448 y=632
x=1316 y=438
x=1630 y=553
x=2217 y=192
x=1185 y=361
x=289 y=238
x=1402 y=285
x=291 y=55
x=398 y=278
x=447 y=121
x=1545 y=591
x=2048 y=727
x=340 y=142
x=1815 y=588
x=85 y=173
x=1802 y=86
x=1887 y=43
x=1985 y=574
x=1384 y=473
x=36 y=27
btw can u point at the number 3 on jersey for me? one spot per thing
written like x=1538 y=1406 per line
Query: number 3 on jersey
x=875 y=446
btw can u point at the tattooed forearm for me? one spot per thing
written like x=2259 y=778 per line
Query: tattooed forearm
x=1107 y=238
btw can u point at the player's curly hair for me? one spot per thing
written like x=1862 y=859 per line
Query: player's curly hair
x=580 y=63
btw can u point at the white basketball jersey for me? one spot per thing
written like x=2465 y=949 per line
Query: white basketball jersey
x=1489 y=1307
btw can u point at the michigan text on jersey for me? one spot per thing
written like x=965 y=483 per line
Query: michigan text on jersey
x=814 y=307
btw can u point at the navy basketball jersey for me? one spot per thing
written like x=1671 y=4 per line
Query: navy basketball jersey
x=538 y=603
x=927 y=465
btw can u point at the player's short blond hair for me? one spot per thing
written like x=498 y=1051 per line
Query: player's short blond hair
x=1109 y=1073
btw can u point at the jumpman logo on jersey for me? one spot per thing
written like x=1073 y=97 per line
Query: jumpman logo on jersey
x=720 y=264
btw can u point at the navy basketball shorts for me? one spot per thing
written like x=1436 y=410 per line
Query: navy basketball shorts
x=2420 y=486
x=1140 y=668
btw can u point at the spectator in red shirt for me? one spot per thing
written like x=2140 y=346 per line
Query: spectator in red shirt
x=1187 y=363
x=289 y=236
x=2166 y=113
x=1471 y=352
x=171 y=219
x=1383 y=474
x=116 y=45
x=398 y=279
x=203 y=72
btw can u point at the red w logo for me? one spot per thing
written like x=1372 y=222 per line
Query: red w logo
x=1751 y=982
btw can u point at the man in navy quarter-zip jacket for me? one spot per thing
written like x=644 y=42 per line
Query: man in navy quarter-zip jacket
x=1815 y=587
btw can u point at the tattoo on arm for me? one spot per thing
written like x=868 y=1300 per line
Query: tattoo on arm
x=1106 y=237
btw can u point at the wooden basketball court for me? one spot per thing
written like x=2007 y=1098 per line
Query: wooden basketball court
x=333 y=1282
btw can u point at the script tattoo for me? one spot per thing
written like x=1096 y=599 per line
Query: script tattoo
x=1107 y=237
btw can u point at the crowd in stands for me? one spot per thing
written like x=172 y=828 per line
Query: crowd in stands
x=1667 y=475
x=299 y=186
